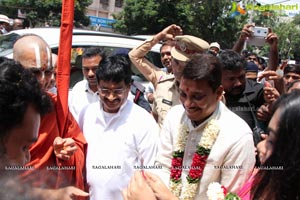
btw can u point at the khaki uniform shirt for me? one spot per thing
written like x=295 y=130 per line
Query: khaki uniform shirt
x=149 y=70
x=166 y=96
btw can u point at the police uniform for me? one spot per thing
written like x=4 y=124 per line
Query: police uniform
x=167 y=90
x=151 y=72
x=166 y=95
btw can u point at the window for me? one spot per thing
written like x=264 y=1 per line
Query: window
x=105 y=2
x=119 y=3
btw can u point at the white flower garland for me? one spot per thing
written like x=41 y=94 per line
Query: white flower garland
x=210 y=133
x=182 y=138
x=215 y=191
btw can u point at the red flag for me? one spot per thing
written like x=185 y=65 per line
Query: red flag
x=63 y=64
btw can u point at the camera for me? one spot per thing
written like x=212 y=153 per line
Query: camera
x=258 y=36
x=260 y=32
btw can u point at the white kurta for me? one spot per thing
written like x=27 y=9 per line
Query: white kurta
x=80 y=96
x=113 y=147
x=231 y=159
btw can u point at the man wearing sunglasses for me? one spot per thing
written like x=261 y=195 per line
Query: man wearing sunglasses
x=121 y=136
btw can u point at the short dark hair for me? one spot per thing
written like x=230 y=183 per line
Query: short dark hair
x=232 y=61
x=115 y=68
x=292 y=68
x=252 y=54
x=18 y=88
x=290 y=85
x=167 y=43
x=93 y=51
x=204 y=67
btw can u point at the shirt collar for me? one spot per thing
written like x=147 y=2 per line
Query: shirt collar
x=88 y=89
x=215 y=115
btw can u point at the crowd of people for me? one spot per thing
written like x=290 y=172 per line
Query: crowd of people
x=200 y=125
x=7 y=24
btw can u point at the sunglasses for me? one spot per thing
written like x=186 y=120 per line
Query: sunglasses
x=115 y=92
x=252 y=59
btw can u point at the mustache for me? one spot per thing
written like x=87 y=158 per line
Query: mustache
x=191 y=108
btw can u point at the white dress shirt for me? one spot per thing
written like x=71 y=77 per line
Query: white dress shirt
x=231 y=159
x=80 y=96
x=115 y=142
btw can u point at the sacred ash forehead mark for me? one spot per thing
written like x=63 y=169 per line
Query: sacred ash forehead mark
x=39 y=60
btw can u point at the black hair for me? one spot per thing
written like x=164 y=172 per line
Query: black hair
x=232 y=61
x=292 y=68
x=204 y=67
x=18 y=88
x=167 y=43
x=290 y=85
x=252 y=54
x=282 y=184
x=245 y=53
x=93 y=51
x=115 y=68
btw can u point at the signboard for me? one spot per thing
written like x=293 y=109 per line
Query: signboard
x=103 y=22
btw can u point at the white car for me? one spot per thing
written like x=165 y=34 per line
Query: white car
x=109 y=42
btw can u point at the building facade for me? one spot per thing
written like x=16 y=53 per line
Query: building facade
x=101 y=11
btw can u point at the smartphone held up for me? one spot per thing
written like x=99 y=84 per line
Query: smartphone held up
x=259 y=35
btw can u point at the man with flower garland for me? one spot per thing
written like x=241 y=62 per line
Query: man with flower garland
x=198 y=142
x=166 y=92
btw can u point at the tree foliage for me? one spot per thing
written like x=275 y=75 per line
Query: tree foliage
x=289 y=35
x=209 y=20
x=39 y=12
x=212 y=22
x=287 y=30
x=150 y=16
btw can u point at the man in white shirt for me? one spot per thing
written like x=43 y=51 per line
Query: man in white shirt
x=85 y=91
x=202 y=141
x=121 y=135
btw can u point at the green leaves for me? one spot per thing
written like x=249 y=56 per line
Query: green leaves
x=177 y=154
x=205 y=19
x=41 y=11
x=202 y=151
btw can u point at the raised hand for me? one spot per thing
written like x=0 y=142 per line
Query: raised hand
x=170 y=32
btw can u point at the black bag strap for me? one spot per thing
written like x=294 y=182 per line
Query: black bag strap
x=252 y=113
x=257 y=131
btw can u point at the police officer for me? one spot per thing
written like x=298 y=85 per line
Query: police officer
x=166 y=93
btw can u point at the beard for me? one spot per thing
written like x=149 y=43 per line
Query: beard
x=236 y=91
